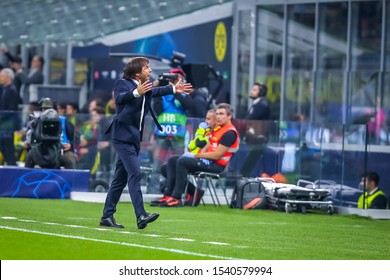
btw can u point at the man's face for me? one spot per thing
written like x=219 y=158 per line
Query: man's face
x=255 y=91
x=4 y=79
x=221 y=117
x=92 y=106
x=370 y=185
x=36 y=63
x=145 y=74
x=70 y=110
x=210 y=119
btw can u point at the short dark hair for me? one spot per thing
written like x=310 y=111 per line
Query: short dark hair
x=229 y=109
x=41 y=59
x=134 y=66
x=74 y=105
x=371 y=176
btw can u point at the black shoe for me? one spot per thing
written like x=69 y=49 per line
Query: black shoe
x=198 y=197
x=143 y=220
x=110 y=222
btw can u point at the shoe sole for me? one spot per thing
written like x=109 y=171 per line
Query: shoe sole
x=103 y=225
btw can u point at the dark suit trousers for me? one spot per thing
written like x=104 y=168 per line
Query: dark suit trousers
x=127 y=170
x=186 y=165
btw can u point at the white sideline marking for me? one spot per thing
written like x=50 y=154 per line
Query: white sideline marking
x=126 y=232
x=120 y=243
x=50 y=223
x=182 y=239
x=241 y=246
x=152 y=235
x=216 y=243
x=28 y=221
x=75 y=226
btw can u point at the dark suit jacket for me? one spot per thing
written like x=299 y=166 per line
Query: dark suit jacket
x=27 y=80
x=10 y=99
x=260 y=111
x=128 y=123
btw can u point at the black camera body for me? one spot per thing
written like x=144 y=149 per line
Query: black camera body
x=165 y=78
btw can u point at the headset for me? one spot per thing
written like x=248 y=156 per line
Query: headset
x=263 y=90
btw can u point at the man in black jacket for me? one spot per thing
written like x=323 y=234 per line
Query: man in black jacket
x=374 y=197
x=133 y=94
x=9 y=118
x=256 y=128
x=260 y=108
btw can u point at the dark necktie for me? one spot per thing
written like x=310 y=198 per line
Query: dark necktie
x=154 y=116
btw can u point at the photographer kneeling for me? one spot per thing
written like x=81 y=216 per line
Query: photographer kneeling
x=44 y=138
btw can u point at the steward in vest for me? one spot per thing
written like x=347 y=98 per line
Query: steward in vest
x=224 y=142
x=168 y=170
x=373 y=197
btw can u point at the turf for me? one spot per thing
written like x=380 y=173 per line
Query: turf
x=68 y=230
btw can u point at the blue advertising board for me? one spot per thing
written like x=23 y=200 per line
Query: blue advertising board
x=41 y=183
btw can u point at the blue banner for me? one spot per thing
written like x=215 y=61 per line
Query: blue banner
x=41 y=183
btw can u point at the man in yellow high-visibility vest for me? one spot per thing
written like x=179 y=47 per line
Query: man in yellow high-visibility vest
x=374 y=197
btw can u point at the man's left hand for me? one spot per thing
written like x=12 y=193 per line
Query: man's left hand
x=183 y=88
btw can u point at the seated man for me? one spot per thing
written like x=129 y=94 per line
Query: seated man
x=223 y=143
x=168 y=170
x=374 y=197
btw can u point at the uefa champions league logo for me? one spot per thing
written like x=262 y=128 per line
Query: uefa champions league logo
x=41 y=184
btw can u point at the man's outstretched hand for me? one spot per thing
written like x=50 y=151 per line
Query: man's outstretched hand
x=183 y=88
x=144 y=87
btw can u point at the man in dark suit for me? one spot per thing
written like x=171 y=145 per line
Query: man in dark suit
x=33 y=77
x=256 y=128
x=9 y=119
x=260 y=107
x=133 y=94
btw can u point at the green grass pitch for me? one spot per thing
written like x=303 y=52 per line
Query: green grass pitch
x=33 y=229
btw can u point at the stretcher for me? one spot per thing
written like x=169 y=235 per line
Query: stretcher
x=300 y=197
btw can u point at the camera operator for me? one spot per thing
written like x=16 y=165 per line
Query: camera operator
x=50 y=139
x=171 y=112
x=180 y=103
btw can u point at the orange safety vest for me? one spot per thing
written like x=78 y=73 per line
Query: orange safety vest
x=215 y=138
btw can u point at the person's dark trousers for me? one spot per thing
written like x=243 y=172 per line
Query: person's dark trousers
x=8 y=149
x=168 y=170
x=186 y=165
x=28 y=162
x=128 y=170
x=68 y=160
x=170 y=175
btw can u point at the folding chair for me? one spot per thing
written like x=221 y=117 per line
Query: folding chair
x=208 y=184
